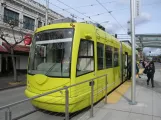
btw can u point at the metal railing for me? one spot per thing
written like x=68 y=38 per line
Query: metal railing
x=8 y=112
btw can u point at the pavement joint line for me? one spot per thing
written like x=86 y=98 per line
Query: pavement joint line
x=132 y=112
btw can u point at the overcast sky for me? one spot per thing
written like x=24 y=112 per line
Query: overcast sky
x=148 y=21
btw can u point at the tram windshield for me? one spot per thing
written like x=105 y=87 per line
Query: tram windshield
x=50 y=53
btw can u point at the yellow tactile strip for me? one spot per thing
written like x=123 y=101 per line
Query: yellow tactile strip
x=116 y=95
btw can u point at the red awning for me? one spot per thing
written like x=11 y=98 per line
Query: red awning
x=20 y=48
x=2 y=49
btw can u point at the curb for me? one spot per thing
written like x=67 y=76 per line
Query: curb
x=6 y=88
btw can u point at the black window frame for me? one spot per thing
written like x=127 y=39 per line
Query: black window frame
x=6 y=19
x=116 y=52
x=93 y=56
x=26 y=18
x=100 y=57
x=70 y=65
x=110 y=50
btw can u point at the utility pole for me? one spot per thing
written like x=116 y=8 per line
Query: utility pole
x=133 y=89
x=46 y=16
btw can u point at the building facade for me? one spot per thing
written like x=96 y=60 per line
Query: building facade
x=27 y=16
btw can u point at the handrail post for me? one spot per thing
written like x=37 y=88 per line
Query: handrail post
x=8 y=114
x=106 y=89
x=92 y=97
x=66 y=104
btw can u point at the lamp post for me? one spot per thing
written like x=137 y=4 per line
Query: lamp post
x=133 y=89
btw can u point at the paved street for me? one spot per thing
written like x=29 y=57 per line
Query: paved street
x=13 y=95
x=6 y=81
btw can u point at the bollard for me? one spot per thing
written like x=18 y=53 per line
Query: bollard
x=106 y=90
x=66 y=104
x=8 y=114
x=92 y=97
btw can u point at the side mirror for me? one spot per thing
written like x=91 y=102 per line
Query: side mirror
x=27 y=39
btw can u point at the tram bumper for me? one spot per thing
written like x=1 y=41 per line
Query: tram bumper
x=57 y=104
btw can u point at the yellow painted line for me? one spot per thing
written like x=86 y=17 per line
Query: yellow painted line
x=116 y=95
x=15 y=83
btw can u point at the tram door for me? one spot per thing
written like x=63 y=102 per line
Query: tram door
x=126 y=65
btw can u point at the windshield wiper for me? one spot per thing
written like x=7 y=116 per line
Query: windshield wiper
x=50 y=69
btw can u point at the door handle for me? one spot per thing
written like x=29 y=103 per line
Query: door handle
x=91 y=83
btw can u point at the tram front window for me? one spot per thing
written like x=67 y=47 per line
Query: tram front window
x=51 y=53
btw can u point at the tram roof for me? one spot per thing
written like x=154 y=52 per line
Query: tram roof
x=67 y=24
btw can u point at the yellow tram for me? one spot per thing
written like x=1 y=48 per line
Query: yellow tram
x=68 y=53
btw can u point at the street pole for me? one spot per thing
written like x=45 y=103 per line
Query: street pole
x=133 y=89
x=46 y=16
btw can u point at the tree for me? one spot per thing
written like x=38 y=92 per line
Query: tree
x=12 y=24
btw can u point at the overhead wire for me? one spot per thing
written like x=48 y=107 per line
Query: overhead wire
x=71 y=14
x=111 y=15
x=91 y=5
x=98 y=14
x=77 y=11
x=144 y=5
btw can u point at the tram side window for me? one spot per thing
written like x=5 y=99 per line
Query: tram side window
x=108 y=53
x=85 y=63
x=116 y=57
x=100 y=52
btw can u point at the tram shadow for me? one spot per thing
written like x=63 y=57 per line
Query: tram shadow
x=85 y=113
x=51 y=113
x=62 y=115
x=72 y=116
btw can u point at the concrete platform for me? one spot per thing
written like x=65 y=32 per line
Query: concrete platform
x=148 y=105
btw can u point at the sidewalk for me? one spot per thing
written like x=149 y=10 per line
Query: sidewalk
x=148 y=105
x=8 y=82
